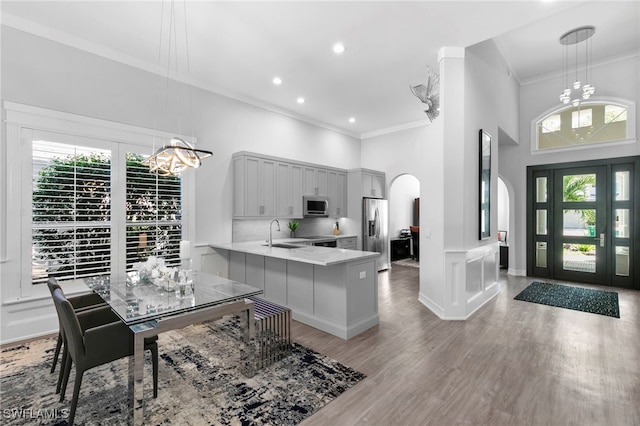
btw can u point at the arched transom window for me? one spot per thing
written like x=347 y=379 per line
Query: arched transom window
x=590 y=123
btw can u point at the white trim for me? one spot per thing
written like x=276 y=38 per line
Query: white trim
x=22 y=302
x=572 y=148
x=84 y=126
x=454 y=52
x=114 y=55
x=630 y=54
x=394 y=129
x=631 y=126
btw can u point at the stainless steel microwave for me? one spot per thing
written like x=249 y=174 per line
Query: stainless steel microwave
x=315 y=206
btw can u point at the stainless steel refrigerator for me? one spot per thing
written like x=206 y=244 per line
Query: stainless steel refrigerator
x=374 y=229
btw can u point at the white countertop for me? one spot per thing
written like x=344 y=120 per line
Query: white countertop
x=323 y=256
x=314 y=238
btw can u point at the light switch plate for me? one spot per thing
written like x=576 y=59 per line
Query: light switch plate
x=363 y=275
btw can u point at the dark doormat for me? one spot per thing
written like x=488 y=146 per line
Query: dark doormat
x=569 y=297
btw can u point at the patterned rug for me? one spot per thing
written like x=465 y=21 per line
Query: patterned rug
x=199 y=384
x=569 y=297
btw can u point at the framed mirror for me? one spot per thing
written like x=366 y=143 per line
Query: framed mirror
x=485 y=185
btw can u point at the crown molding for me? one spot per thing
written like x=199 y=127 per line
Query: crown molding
x=395 y=129
x=114 y=55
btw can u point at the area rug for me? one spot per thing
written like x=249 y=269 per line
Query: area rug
x=569 y=297
x=200 y=383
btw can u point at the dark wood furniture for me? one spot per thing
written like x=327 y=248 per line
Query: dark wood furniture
x=400 y=248
x=415 y=235
x=504 y=256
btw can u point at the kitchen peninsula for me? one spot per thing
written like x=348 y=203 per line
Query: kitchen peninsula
x=334 y=290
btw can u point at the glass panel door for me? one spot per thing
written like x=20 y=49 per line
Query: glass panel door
x=580 y=237
x=622 y=224
x=582 y=221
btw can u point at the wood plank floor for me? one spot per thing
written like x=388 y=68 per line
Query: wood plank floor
x=511 y=363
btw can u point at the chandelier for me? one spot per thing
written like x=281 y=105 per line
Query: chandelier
x=578 y=91
x=178 y=155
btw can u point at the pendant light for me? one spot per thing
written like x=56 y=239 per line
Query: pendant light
x=177 y=155
x=578 y=91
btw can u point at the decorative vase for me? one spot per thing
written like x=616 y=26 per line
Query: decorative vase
x=292 y=234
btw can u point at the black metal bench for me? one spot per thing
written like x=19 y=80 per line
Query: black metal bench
x=273 y=331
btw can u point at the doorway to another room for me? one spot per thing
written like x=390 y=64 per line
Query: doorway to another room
x=504 y=230
x=404 y=221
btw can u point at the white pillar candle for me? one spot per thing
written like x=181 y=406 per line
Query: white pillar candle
x=185 y=250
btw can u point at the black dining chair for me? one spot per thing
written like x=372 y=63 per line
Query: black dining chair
x=79 y=303
x=94 y=346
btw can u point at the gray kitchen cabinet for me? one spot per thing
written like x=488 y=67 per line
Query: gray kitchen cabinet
x=366 y=183
x=350 y=243
x=266 y=186
x=315 y=181
x=337 y=192
x=288 y=190
x=373 y=184
x=254 y=187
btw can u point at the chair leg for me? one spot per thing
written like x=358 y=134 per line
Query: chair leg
x=63 y=363
x=76 y=393
x=57 y=353
x=65 y=378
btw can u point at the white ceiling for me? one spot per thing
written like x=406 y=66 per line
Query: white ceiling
x=237 y=47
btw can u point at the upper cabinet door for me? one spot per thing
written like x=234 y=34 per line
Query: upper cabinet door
x=283 y=189
x=373 y=185
x=322 y=182
x=252 y=190
x=337 y=192
x=316 y=181
x=296 y=190
x=288 y=190
x=310 y=186
x=254 y=187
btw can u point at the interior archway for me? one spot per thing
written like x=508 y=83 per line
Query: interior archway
x=504 y=223
x=404 y=204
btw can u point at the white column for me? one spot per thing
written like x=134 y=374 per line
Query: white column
x=442 y=224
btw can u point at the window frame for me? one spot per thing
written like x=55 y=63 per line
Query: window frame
x=23 y=121
x=630 y=127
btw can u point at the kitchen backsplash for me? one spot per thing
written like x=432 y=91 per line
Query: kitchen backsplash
x=258 y=229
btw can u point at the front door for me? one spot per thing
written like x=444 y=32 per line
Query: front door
x=580 y=235
x=581 y=221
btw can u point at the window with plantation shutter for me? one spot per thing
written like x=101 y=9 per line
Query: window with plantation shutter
x=77 y=224
x=154 y=214
x=77 y=201
x=71 y=215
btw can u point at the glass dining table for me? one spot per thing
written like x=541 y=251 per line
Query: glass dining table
x=149 y=309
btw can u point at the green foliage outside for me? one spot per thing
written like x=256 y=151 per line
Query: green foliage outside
x=72 y=198
x=575 y=188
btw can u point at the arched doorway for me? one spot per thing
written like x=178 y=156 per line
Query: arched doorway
x=504 y=223
x=404 y=212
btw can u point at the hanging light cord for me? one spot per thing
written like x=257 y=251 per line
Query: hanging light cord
x=186 y=41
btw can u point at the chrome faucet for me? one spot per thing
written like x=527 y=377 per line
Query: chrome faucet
x=270 y=232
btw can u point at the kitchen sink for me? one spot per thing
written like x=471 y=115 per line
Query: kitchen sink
x=283 y=245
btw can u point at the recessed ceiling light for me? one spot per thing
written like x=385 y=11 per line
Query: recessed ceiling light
x=277 y=81
x=339 y=48
x=300 y=100
x=352 y=120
